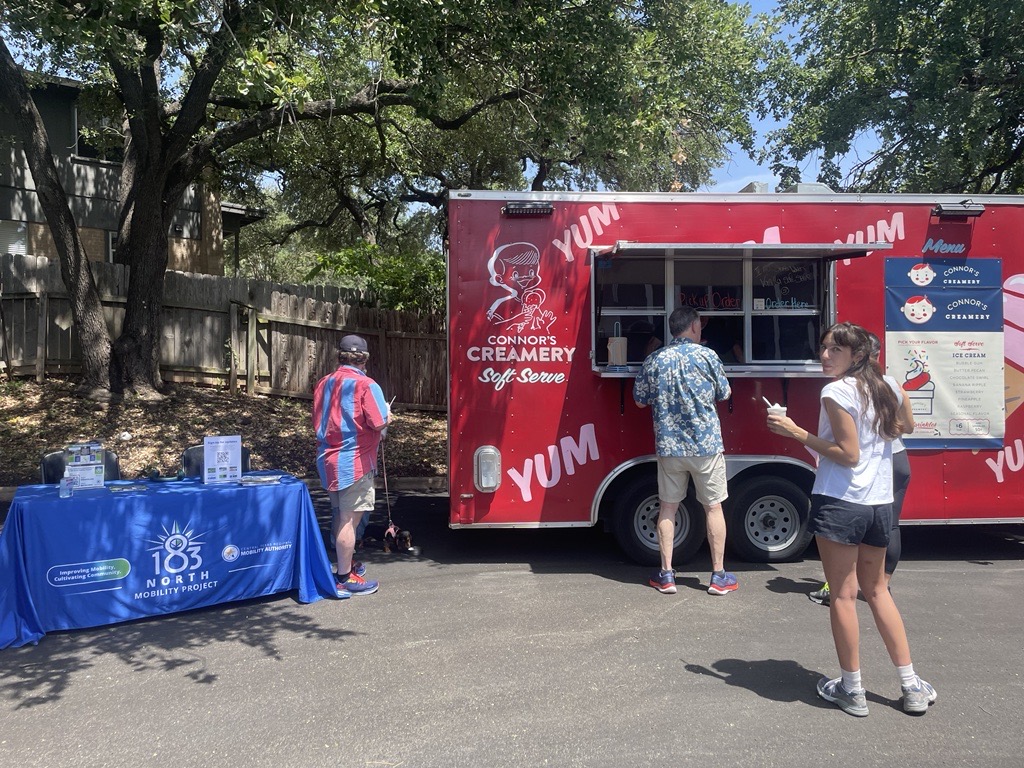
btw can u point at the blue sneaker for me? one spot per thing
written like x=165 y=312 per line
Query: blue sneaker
x=722 y=583
x=343 y=594
x=359 y=569
x=357 y=585
x=664 y=582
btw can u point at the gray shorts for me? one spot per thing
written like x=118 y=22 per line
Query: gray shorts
x=847 y=523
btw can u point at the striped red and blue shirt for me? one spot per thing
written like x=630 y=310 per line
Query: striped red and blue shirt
x=348 y=412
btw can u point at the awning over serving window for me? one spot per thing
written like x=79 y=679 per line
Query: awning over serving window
x=824 y=251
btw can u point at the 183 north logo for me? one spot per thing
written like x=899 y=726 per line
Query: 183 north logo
x=177 y=564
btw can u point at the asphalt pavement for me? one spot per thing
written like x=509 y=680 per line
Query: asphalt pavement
x=535 y=648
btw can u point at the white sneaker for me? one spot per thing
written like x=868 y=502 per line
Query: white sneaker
x=917 y=697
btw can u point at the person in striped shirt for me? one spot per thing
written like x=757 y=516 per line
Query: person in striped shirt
x=349 y=418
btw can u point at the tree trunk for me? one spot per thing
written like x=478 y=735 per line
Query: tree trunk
x=86 y=309
x=136 y=363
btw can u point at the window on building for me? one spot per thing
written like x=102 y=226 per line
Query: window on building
x=13 y=237
x=97 y=137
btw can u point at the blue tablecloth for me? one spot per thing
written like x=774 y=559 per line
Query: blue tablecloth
x=102 y=557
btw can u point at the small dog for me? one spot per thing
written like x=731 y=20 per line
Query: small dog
x=389 y=539
x=398 y=541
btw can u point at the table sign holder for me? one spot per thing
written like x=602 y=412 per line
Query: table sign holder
x=84 y=462
x=222 y=458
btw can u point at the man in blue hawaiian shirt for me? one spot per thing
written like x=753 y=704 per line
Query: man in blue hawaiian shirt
x=682 y=382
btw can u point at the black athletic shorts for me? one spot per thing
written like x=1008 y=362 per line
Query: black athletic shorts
x=847 y=523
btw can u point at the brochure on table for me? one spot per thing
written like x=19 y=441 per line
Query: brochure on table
x=222 y=459
x=84 y=462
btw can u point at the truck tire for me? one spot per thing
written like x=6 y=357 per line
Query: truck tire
x=767 y=519
x=635 y=521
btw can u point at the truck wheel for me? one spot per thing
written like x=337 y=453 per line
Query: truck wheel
x=636 y=524
x=767 y=520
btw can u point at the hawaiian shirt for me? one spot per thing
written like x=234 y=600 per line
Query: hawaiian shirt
x=682 y=382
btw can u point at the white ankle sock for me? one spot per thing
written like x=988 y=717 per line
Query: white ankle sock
x=851 y=681
x=907 y=675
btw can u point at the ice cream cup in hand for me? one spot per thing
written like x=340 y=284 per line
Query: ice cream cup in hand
x=777 y=410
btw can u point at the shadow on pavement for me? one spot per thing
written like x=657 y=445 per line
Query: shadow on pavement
x=782 y=585
x=556 y=550
x=778 y=680
x=544 y=550
x=774 y=679
x=35 y=675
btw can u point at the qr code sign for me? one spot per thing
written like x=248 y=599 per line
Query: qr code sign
x=222 y=457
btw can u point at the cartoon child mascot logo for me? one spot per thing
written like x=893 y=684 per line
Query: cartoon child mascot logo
x=918 y=309
x=515 y=269
x=921 y=274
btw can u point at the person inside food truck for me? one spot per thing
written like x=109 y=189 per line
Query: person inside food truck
x=641 y=340
x=724 y=335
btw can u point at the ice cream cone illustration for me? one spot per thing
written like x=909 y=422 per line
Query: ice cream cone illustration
x=918 y=385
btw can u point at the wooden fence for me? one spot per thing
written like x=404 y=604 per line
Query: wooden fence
x=264 y=337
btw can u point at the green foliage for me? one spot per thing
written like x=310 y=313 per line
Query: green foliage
x=641 y=98
x=407 y=281
x=262 y=257
x=936 y=86
x=360 y=115
x=13 y=387
x=637 y=95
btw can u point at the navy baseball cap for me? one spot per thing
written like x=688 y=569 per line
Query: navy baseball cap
x=352 y=344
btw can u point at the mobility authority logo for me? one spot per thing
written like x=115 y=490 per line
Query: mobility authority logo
x=177 y=563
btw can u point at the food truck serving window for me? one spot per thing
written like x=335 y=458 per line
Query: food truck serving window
x=630 y=301
x=761 y=305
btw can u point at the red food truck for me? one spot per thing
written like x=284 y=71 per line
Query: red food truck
x=555 y=299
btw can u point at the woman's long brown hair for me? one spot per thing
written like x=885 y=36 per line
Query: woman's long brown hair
x=868 y=374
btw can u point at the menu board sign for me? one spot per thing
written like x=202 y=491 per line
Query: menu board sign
x=786 y=284
x=944 y=345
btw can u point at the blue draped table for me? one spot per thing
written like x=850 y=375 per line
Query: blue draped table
x=102 y=557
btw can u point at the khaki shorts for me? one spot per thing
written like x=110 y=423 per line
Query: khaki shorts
x=358 y=497
x=708 y=478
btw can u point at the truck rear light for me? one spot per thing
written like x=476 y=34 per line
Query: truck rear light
x=487 y=469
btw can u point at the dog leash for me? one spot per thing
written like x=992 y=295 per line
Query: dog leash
x=392 y=528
